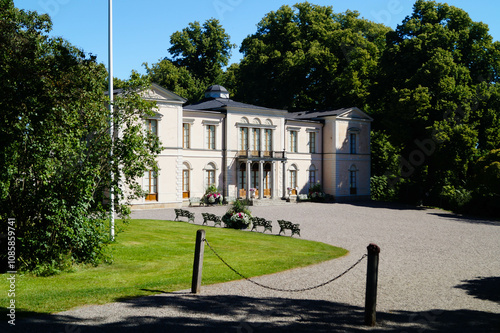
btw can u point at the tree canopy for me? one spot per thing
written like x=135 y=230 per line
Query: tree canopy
x=55 y=141
x=437 y=96
x=199 y=54
x=307 y=57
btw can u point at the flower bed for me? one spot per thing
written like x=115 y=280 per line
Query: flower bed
x=212 y=196
x=238 y=216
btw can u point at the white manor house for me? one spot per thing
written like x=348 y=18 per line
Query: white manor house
x=238 y=147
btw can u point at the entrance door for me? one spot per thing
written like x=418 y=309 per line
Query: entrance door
x=242 y=180
x=267 y=180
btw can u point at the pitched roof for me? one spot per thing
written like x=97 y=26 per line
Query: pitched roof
x=221 y=104
x=310 y=115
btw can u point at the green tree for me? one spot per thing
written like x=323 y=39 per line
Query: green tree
x=55 y=141
x=437 y=81
x=203 y=50
x=199 y=55
x=177 y=79
x=308 y=57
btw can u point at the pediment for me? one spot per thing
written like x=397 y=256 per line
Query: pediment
x=159 y=94
x=354 y=113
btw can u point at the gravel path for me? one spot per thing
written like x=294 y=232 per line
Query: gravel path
x=438 y=272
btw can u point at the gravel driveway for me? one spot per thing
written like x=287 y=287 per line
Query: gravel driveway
x=438 y=272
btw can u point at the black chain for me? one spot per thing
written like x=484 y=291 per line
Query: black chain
x=279 y=289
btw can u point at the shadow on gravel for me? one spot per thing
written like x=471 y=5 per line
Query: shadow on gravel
x=178 y=312
x=486 y=288
x=466 y=219
x=383 y=204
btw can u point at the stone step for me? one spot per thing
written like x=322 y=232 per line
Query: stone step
x=271 y=202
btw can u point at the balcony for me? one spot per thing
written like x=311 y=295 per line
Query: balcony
x=262 y=154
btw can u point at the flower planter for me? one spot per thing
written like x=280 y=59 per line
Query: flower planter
x=236 y=220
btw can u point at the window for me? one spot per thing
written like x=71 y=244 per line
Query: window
x=185 y=136
x=185 y=184
x=312 y=142
x=210 y=136
x=152 y=126
x=353 y=179
x=210 y=174
x=352 y=142
x=268 y=140
x=210 y=178
x=150 y=185
x=243 y=138
x=293 y=181
x=242 y=177
x=256 y=139
x=312 y=176
x=254 y=176
x=293 y=141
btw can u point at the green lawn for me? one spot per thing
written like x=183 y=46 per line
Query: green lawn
x=152 y=256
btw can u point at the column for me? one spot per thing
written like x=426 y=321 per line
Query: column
x=261 y=179
x=249 y=165
x=285 y=193
x=273 y=176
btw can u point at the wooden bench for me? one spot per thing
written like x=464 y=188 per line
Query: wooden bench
x=287 y=225
x=184 y=213
x=195 y=200
x=211 y=217
x=261 y=222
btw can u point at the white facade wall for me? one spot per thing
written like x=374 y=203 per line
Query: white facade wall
x=332 y=161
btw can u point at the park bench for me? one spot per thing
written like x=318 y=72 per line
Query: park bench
x=287 y=225
x=211 y=217
x=184 y=213
x=195 y=200
x=261 y=222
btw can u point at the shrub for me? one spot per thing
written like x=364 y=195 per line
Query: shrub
x=456 y=198
x=380 y=189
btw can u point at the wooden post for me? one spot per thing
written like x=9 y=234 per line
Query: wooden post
x=198 y=261
x=371 y=285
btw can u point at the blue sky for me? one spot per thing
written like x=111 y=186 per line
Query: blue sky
x=142 y=29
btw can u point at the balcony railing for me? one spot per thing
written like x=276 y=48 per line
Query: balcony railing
x=262 y=154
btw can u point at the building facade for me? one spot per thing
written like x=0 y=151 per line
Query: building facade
x=244 y=149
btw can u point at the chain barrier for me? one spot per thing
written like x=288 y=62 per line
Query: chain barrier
x=279 y=289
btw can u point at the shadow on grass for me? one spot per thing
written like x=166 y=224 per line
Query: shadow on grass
x=183 y=312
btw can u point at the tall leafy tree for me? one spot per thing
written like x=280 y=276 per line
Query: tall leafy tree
x=204 y=50
x=55 y=141
x=308 y=57
x=199 y=54
x=436 y=95
x=177 y=79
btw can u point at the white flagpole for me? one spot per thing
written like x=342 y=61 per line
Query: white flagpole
x=112 y=129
